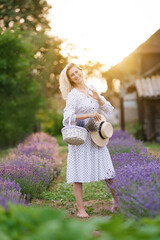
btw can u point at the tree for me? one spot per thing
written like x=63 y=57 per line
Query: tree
x=43 y=60
x=20 y=94
x=91 y=68
x=49 y=62
x=28 y=14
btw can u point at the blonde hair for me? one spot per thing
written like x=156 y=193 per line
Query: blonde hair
x=65 y=85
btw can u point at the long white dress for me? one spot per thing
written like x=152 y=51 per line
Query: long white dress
x=86 y=162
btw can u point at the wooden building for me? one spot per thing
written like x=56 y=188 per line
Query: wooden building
x=148 y=91
x=140 y=72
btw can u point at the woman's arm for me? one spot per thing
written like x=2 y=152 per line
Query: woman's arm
x=104 y=106
x=101 y=102
x=95 y=115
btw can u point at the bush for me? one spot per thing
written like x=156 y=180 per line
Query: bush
x=138 y=185
x=138 y=132
x=32 y=164
x=121 y=142
x=53 y=123
x=29 y=223
x=137 y=176
x=20 y=94
x=10 y=191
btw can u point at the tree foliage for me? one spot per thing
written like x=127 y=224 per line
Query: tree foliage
x=28 y=14
x=20 y=94
x=29 y=73
x=48 y=62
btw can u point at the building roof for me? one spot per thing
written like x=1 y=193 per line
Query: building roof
x=129 y=63
x=148 y=87
x=151 y=45
x=154 y=70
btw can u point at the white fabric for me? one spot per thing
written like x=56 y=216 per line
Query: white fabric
x=86 y=162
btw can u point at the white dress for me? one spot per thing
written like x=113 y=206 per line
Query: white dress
x=86 y=162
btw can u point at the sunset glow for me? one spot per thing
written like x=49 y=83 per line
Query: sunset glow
x=103 y=30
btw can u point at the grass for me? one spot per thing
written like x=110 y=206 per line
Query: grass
x=64 y=192
x=63 y=149
x=60 y=140
x=4 y=152
x=152 y=146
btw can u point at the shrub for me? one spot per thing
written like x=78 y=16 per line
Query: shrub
x=137 y=184
x=32 y=164
x=20 y=94
x=53 y=123
x=30 y=223
x=121 y=142
x=10 y=191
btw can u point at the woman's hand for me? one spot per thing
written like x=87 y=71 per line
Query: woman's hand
x=97 y=116
x=97 y=97
x=94 y=95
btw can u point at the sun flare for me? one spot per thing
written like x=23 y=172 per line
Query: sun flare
x=103 y=30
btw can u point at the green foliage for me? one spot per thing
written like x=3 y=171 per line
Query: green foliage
x=20 y=94
x=92 y=68
x=32 y=223
x=27 y=14
x=60 y=141
x=53 y=123
x=35 y=223
x=138 y=131
x=49 y=62
x=152 y=146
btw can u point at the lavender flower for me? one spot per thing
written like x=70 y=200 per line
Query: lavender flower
x=123 y=142
x=137 y=181
x=10 y=191
x=32 y=164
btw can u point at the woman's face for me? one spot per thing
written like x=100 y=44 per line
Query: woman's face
x=75 y=75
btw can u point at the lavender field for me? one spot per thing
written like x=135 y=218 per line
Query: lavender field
x=28 y=169
x=137 y=176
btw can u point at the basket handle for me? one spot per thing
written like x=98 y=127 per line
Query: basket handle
x=70 y=120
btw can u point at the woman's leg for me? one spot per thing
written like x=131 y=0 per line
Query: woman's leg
x=110 y=185
x=77 y=187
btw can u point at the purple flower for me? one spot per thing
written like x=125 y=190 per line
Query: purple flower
x=137 y=181
x=32 y=164
x=10 y=191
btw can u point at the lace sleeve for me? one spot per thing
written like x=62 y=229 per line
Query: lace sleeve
x=106 y=108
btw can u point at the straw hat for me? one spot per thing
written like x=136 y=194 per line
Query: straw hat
x=100 y=131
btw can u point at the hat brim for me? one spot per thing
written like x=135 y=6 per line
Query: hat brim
x=98 y=140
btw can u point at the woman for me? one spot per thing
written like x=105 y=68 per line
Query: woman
x=86 y=162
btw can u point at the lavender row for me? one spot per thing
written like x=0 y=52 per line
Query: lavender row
x=31 y=165
x=122 y=141
x=137 y=176
x=10 y=191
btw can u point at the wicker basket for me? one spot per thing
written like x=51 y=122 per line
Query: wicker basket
x=74 y=135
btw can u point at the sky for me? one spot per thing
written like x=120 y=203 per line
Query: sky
x=103 y=30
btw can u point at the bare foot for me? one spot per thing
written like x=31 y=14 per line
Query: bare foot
x=82 y=214
x=114 y=206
